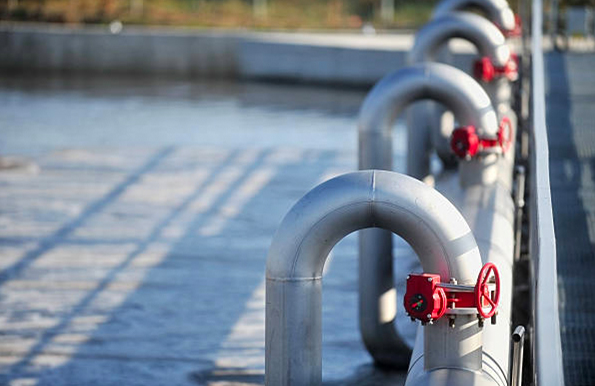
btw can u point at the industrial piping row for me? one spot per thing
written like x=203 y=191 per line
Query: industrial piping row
x=454 y=345
x=400 y=204
x=481 y=191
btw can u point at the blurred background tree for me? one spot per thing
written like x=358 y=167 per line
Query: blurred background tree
x=257 y=14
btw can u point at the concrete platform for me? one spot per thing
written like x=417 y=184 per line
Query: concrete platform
x=330 y=58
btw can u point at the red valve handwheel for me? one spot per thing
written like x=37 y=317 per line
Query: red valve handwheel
x=482 y=291
x=442 y=307
x=505 y=140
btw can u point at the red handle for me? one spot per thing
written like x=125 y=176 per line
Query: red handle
x=505 y=134
x=482 y=292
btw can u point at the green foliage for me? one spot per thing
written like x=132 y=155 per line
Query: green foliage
x=280 y=14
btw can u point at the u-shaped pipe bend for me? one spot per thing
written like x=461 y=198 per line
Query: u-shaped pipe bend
x=471 y=105
x=483 y=34
x=498 y=11
x=426 y=120
x=419 y=214
x=453 y=88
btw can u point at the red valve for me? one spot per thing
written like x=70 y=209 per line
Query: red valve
x=424 y=300
x=517 y=30
x=428 y=300
x=483 y=296
x=465 y=142
x=505 y=134
x=484 y=69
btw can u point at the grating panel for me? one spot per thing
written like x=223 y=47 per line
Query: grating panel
x=571 y=136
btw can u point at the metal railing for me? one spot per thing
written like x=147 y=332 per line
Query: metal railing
x=546 y=342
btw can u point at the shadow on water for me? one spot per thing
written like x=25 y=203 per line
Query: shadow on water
x=66 y=230
x=364 y=375
x=178 y=319
x=178 y=324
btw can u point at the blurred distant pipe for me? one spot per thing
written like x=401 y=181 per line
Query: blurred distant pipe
x=136 y=8
x=553 y=22
x=259 y=8
x=387 y=10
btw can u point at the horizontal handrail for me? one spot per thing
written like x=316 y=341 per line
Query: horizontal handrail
x=546 y=343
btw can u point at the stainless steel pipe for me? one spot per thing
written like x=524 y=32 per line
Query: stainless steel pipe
x=424 y=218
x=483 y=34
x=445 y=84
x=489 y=211
x=497 y=11
x=462 y=95
x=427 y=118
x=518 y=339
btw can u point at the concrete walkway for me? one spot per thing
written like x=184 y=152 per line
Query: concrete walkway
x=571 y=135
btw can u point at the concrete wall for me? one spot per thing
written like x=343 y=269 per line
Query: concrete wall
x=137 y=51
x=322 y=58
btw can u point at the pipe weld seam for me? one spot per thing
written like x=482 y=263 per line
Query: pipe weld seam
x=499 y=370
x=289 y=279
x=322 y=219
x=422 y=221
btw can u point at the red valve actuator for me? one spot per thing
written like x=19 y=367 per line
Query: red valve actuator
x=486 y=71
x=427 y=299
x=466 y=143
x=424 y=300
x=518 y=28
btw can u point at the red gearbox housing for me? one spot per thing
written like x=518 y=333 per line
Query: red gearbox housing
x=427 y=299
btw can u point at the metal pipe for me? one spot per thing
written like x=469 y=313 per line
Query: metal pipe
x=518 y=341
x=426 y=118
x=489 y=211
x=462 y=95
x=459 y=92
x=483 y=34
x=423 y=217
x=519 y=202
x=497 y=11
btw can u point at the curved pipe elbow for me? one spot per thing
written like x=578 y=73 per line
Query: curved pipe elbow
x=445 y=84
x=433 y=227
x=498 y=11
x=483 y=34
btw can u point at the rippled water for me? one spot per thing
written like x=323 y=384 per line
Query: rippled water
x=39 y=114
x=198 y=173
